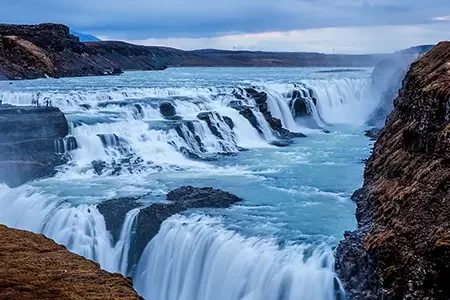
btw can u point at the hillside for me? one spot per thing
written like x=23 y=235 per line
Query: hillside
x=401 y=249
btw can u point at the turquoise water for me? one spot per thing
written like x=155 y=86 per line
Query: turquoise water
x=296 y=199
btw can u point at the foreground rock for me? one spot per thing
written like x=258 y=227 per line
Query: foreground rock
x=151 y=217
x=29 y=139
x=373 y=133
x=401 y=249
x=35 y=267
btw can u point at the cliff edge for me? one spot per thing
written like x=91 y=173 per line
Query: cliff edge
x=401 y=249
x=35 y=267
x=30 y=137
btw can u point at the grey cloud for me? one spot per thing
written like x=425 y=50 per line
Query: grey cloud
x=138 y=19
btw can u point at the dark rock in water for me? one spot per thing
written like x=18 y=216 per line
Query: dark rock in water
x=150 y=218
x=299 y=105
x=281 y=143
x=99 y=166
x=276 y=124
x=174 y=118
x=202 y=197
x=85 y=106
x=167 y=109
x=207 y=117
x=229 y=122
x=29 y=139
x=250 y=116
x=114 y=212
x=138 y=112
x=326 y=131
x=373 y=133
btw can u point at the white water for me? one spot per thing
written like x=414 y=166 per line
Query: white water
x=194 y=258
x=343 y=101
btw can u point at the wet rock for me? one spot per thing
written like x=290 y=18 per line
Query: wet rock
x=281 y=143
x=373 y=133
x=229 y=122
x=208 y=118
x=99 y=166
x=167 y=109
x=29 y=139
x=299 y=105
x=114 y=212
x=86 y=106
x=138 y=112
x=202 y=197
x=250 y=116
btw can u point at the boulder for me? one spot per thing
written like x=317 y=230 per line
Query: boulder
x=167 y=109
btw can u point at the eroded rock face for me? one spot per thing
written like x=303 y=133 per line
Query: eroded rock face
x=401 y=249
x=35 y=267
x=29 y=138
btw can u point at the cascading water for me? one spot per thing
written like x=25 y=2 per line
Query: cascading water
x=343 y=101
x=276 y=245
x=196 y=259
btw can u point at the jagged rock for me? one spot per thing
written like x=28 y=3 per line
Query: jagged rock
x=167 y=109
x=99 y=166
x=35 y=267
x=229 y=122
x=138 y=112
x=401 y=249
x=207 y=116
x=85 y=106
x=250 y=116
x=373 y=133
x=114 y=212
x=28 y=139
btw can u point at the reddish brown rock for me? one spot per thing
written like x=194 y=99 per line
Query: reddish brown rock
x=401 y=249
x=35 y=267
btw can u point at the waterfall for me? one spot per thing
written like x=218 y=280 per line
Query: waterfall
x=343 y=101
x=122 y=248
x=195 y=258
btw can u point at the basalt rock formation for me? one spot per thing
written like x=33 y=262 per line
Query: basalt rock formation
x=401 y=249
x=29 y=139
x=35 y=267
x=151 y=217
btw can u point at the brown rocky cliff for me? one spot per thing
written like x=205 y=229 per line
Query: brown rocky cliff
x=401 y=249
x=35 y=267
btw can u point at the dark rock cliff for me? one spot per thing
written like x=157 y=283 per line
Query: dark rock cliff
x=35 y=267
x=29 y=137
x=401 y=249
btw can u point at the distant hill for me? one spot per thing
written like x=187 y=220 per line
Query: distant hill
x=416 y=49
x=85 y=37
x=34 y=51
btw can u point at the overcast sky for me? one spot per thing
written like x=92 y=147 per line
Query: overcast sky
x=340 y=26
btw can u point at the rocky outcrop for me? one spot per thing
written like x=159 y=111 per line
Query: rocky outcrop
x=151 y=217
x=401 y=249
x=373 y=133
x=29 y=139
x=34 y=51
x=35 y=267
x=260 y=99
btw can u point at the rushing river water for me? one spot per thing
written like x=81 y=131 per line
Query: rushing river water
x=276 y=245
